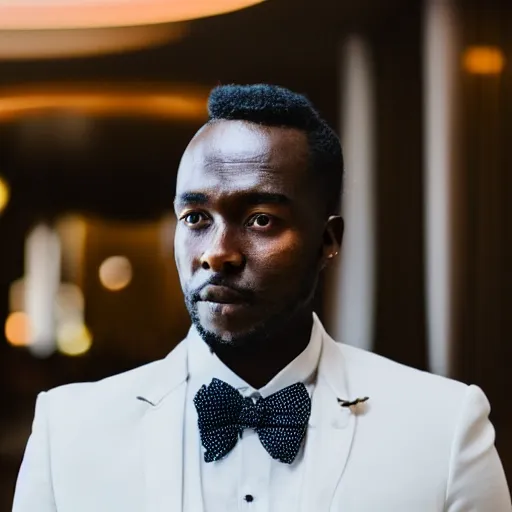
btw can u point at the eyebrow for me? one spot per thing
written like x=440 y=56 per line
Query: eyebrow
x=255 y=198
x=191 y=197
x=251 y=198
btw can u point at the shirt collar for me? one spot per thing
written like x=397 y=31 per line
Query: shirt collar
x=204 y=365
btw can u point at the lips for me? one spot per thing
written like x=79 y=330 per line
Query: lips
x=222 y=295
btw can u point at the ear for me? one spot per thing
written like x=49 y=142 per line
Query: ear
x=332 y=238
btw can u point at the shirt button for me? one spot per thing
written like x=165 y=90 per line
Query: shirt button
x=248 y=498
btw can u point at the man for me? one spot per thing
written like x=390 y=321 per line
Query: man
x=258 y=409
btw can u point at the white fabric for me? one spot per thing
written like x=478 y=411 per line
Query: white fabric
x=423 y=443
x=247 y=469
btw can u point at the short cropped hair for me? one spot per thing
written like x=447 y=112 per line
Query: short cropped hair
x=271 y=105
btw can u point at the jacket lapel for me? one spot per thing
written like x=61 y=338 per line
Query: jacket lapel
x=162 y=433
x=328 y=441
x=330 y=431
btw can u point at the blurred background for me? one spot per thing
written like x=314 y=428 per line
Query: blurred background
x=97 y=103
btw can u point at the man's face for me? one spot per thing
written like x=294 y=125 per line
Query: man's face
x=250 y=234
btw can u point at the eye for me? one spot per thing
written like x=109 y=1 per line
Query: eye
x=260 y=220
x=194 y=219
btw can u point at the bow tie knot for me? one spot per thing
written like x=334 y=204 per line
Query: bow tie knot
x=252 y=414
x=280 y=420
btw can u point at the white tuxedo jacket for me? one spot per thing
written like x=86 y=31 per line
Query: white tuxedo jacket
x=422 y=443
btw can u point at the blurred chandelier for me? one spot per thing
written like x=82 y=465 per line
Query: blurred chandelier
x=72 y=14
x=53 y=29
x=85 y=42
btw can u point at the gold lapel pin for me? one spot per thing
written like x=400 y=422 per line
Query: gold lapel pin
x=348 y=403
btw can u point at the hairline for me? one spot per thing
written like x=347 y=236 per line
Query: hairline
x=312 y=167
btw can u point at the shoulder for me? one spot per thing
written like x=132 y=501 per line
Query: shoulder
x=380 y=371
x=412 y=402
x=114 y=386
x=398 y=392
x=420 y=420
x=433 y=428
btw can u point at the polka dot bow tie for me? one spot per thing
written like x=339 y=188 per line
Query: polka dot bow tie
x=280 y=419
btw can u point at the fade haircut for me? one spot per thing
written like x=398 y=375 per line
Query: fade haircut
x=271 y=105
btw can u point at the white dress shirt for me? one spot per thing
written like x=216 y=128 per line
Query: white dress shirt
x=257 y=483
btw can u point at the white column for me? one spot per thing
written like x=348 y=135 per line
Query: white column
x=351 y=292
x=440 y=71
x=42 y=269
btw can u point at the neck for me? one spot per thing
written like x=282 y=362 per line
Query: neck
x=258 y=363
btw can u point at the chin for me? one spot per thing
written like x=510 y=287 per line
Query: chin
x=226 y=325
x=222 y=335
x=227 y=321
x=226 y=337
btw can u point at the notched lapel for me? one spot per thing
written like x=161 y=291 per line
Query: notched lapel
x=162 y=434
x=330 y=432
x=162 y=428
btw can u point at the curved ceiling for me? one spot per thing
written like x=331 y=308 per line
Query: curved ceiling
x=61 y=14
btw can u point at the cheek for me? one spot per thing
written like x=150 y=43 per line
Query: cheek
x=184 y=254
x=283 y=258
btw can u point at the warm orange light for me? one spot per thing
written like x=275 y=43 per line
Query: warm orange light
x=17 y=329
x=116 y=273
x=483 y=60
x=36 y=14
x=182 y=103
x=52 y=44
x=5 y=194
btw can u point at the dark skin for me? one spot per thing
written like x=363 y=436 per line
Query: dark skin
x=252 y=237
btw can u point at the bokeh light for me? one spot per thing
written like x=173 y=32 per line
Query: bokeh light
x=483 y=60
x=70 y=299
x=17 y=329
x=5 y=194
x=116 y=273
x=73 y=339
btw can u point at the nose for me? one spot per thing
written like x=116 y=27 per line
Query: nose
x=223 y=254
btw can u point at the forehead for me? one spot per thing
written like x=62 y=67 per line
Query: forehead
x=235 y=156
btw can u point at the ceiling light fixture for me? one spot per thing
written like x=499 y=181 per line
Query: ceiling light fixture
x=65 y=43
x=183 y=102
x=66 y=14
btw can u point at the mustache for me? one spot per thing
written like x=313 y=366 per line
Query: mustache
x=220 y=280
